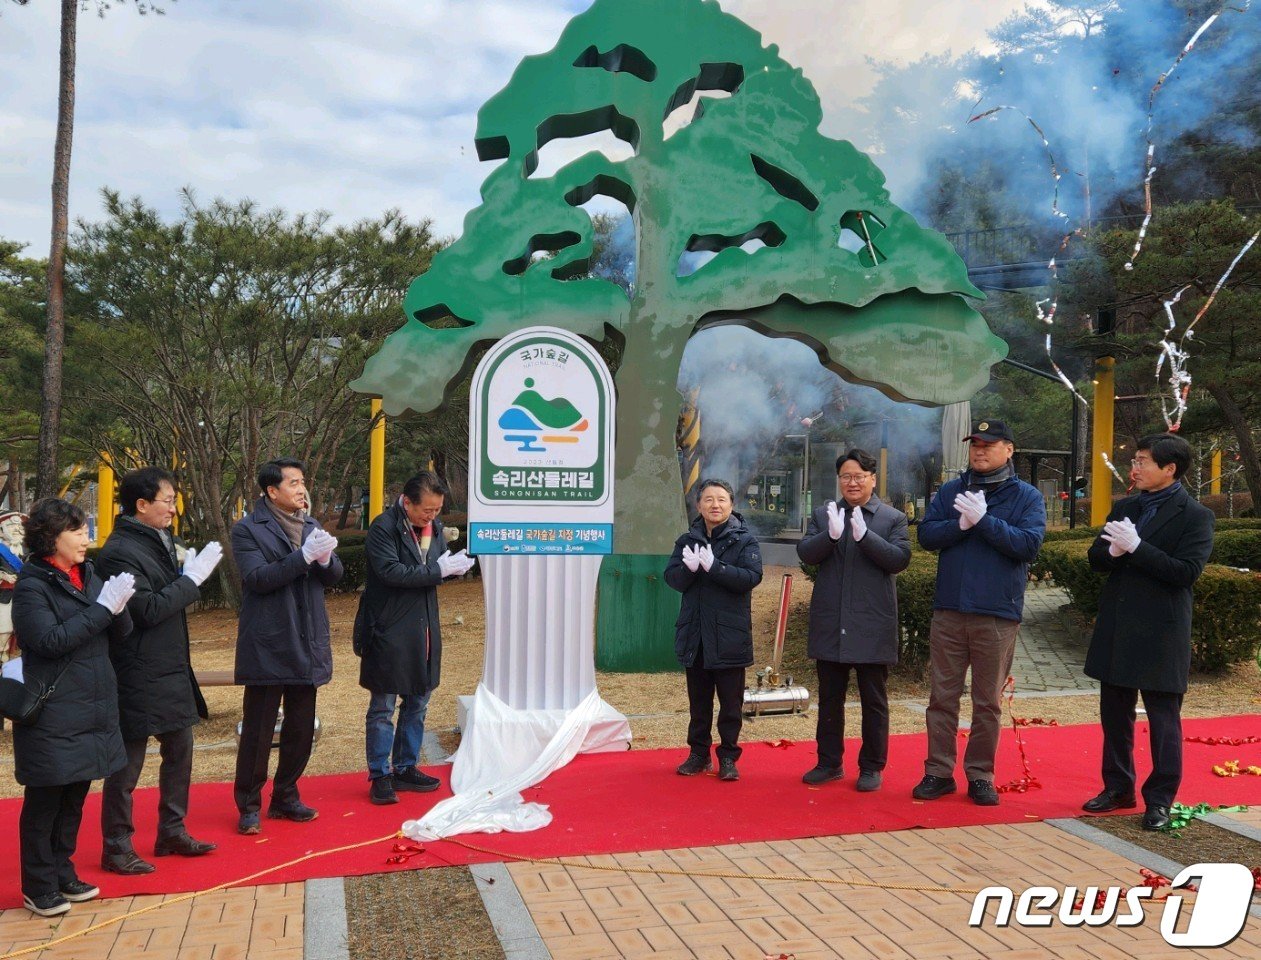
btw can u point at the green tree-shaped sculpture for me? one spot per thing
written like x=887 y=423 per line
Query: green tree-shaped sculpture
x=753 y=166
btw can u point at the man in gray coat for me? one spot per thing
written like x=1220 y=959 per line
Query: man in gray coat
x=860 y=545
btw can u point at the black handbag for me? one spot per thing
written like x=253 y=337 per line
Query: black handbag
x=22 y=702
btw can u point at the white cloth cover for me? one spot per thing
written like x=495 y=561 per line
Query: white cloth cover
x=12 y=669
x=505 y=751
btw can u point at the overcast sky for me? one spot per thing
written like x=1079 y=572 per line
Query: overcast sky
x=352 y=108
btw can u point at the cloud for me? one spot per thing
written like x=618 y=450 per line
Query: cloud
x=350 y=108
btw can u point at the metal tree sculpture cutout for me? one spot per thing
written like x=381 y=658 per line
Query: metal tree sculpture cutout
x=886 y=308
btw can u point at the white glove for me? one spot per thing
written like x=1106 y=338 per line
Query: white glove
x=1122 y=536
x=199 y=566
x=971 y=507
x=691 y=558
x=454 y=565
x=117 y=591
x=836 y=521
x=706 y=554
x=858 y=523
x=319 y=546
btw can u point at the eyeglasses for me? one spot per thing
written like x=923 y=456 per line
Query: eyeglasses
x=854 y=477
x=1141 y=462
x=169 y=502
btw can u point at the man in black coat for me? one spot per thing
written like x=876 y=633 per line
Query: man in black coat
x=283 y=652
x=158 y=695
x=715 y=565
x=1153 y=548
x=398 y=635
x=860 y=545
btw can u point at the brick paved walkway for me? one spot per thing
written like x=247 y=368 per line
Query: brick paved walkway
x=1049 y=655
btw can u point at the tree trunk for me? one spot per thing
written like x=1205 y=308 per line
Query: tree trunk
x=1243 y=433
x=55 y=335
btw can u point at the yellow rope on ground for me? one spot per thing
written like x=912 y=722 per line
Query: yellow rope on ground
x=717 y=874
x=190 y=896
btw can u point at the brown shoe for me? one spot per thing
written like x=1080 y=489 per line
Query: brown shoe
x=184 y=845
x=127 y=864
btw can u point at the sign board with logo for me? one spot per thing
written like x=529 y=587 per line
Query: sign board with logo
x=541 y=447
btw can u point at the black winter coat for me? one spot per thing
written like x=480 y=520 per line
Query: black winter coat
x=716 y=614
x=399 y=608
x=1142 y=635
x=157 y=692
x=854 y=607
x=282 y=631
x=76 y=736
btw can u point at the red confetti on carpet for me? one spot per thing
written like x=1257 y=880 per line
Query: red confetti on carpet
x=621 y=802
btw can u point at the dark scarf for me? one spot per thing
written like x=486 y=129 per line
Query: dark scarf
x=989 y=481
x=1149 y=503
x=164 y=535
x=291 y=523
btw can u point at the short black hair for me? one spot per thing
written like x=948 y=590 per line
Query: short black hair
x=48 y=520
x=1167 y=448
x=271 y=473
x=426 y=481
x=715 y=482
x=142 y=484
x=861 y=457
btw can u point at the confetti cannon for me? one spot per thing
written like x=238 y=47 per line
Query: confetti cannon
x=775 y=693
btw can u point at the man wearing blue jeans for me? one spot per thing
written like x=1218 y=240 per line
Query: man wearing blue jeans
x=397 y=633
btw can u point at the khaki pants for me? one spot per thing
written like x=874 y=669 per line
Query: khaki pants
x=986 y=644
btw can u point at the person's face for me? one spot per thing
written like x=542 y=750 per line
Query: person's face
x=290 y=494
x=422 y=513
x=715 y=506
x=856 y=484
x=987 y=455
x=72 y=546
x=1147 y=475
x=160 y=511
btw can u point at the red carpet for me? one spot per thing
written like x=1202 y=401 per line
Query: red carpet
x=633 y=801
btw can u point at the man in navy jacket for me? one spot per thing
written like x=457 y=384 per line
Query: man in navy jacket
x=988 y=525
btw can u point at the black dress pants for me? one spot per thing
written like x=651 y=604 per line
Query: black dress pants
x=702 y=684
x=1164 y=719
x=259 y=707
x=48 y=831
x=874 y=696
x=174 y=774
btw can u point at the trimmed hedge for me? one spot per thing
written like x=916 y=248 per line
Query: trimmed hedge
x=1237 y=548
x=1225 y=619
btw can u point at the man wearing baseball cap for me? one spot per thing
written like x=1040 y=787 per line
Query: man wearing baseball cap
x=988 y=525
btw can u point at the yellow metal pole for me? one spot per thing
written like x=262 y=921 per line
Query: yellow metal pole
x=104 y=500
x=1101 y=442
x=1215 y=474
x=376 y=465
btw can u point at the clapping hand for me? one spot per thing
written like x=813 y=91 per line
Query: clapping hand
x=455 y=565
x=706 y=554
x=1122 y=536
x=319 y=547
x=971 y=507
x=858 y=523
x=199 y=566
x=691 y=558
x=117 y=591
x=836 y=522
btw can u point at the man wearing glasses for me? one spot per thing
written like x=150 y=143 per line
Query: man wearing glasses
x=158 y=695
x=988 y=525
x=397 y=633
x=1153 y=548
x=860 y=545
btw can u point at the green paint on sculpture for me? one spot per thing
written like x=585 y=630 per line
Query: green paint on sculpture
x=754 y=166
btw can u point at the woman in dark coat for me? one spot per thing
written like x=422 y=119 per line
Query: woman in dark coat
x=715 y=565
x=398 y=635
x=64 y=618
x=860 y=544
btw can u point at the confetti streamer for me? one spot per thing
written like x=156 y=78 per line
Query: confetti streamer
x=1151 y=144
x=1107 y=462
x=1181 y=815
x=1027 y=781
x=1222 y=741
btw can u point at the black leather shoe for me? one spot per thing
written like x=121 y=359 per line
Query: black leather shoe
x=409 y=778
x=694 y=764
x=382 y=791
x=184 y=845
x=1108 y=801
x=297 y=811
x=983 y=793
x=930 y=788
x=1156 y=818
x=822 y=774
x=128 y=864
